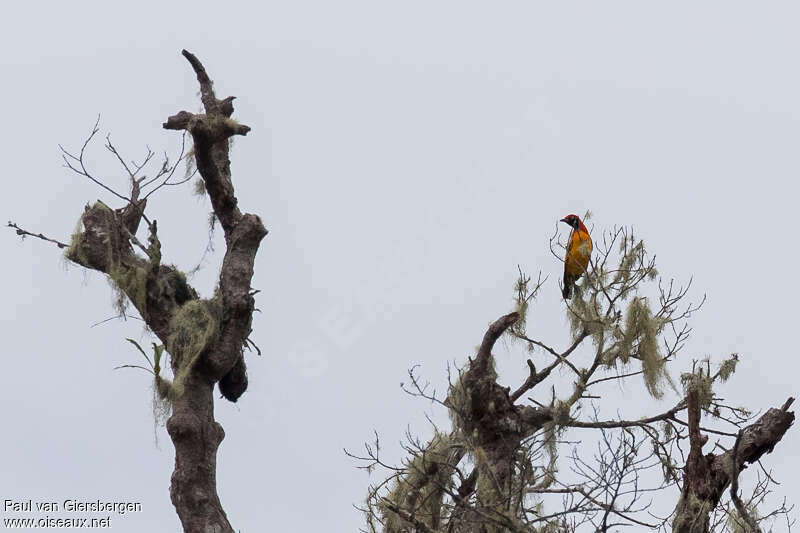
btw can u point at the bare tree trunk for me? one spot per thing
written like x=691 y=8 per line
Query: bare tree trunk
x=697 y=497
x=192 y=428
x=167 y=303
x=196 y=436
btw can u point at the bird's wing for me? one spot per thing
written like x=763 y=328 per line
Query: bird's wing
x=568 y=256
x=569 y=245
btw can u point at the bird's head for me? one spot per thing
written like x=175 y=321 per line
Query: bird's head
x=574 y=222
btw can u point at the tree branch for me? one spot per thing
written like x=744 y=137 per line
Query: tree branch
x=707 y=476
x=496 y=329
x=24 y=233
x=749 y=520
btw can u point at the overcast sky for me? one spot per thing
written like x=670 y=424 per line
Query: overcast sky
x=406 y=157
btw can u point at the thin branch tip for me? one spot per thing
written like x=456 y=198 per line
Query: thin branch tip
x=25 y=233
x=788 y=403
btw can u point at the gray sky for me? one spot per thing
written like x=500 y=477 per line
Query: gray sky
x=406 y=156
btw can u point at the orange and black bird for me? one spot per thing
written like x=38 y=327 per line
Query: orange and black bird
x=579 y=250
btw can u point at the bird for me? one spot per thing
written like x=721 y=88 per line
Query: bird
x=579 y=250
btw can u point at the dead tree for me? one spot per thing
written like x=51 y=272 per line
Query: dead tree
x=203 y=336
x=520 y=459
x=705 y=477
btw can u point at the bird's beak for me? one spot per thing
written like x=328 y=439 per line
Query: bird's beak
x=564 y=220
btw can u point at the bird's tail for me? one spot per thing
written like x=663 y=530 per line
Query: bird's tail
x=566 y=292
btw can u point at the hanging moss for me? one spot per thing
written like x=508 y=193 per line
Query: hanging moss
x=735 y=521
x=193 y=327
x=421 y=490
x=699 y=382
x=728 y=367
x=163 y=395
x=550 y=434
x=693 y=511
x=459 y=395
x=586 y=314
x=199 y=188
x=458 y=398
x=561 y=412
x=640 y=338
x=130 y=282
x=631 y=260
x=485 y=488
x=73 y=252
x=521 y=303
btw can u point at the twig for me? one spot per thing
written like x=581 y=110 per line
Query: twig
x=24 y=233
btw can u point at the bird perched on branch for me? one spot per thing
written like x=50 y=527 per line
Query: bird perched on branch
x=579 y=250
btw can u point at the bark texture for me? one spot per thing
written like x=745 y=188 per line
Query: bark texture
x=707 y=476
x=495 y=422
x=160 y=292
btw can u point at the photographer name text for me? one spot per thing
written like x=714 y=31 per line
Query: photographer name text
x=70 y=506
